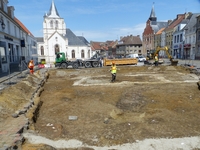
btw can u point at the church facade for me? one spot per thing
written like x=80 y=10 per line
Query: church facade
x=58 y=38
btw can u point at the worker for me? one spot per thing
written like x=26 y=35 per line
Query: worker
x=113 y=71
x=31 y=66
x=156 y=60
x=198 y=84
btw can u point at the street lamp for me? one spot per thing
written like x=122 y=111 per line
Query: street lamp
x=2 y=23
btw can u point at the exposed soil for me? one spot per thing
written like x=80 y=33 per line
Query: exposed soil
x=145 y=102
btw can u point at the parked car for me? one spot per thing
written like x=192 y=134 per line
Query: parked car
x=141 y=58
x=132 y=56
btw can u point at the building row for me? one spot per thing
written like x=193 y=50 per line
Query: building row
x=17 y=43
x=181 y=35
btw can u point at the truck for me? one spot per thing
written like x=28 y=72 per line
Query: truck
x=62 y=62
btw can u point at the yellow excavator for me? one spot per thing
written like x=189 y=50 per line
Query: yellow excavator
x=165 y=48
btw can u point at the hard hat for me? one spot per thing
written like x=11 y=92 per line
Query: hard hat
x=113 y=63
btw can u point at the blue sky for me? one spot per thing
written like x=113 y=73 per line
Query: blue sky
x=101 y=20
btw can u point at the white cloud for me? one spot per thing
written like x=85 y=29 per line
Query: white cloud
x=112 y=34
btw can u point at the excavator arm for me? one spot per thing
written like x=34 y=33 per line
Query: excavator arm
x=165 y=48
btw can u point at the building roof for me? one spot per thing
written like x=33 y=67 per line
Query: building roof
x=74 y=40
x=103 y=45
x=160 y=31
x=53 y=13
x=176 y=21
x=152 y=14
x=83 y=40
x=23 y=26
x=130 y=40
x=192 y=21
x=158 y=26
x=40 y=39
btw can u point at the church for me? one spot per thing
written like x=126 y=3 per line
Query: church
x=58 y=38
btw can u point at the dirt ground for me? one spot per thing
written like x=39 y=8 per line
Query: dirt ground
x=145 y=102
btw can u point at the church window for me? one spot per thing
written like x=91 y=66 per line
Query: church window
x=56 y=24
x=42 y=50
x=57 y=49
x=73 y=53
x=51 y=23
x=82 y=54
x=88 y=53
x=66 y=54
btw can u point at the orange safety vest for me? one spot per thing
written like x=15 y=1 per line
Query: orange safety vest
x=30 y=65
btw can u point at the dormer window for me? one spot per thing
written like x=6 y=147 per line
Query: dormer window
x=5 y=3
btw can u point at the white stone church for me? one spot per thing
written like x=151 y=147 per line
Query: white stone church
x=58 y=38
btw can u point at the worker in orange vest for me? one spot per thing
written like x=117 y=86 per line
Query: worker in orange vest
x=31 y=66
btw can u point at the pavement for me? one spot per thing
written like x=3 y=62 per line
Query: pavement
x=12 y=127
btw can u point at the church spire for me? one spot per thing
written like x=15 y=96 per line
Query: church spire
x=53 y=11
x=152 y=15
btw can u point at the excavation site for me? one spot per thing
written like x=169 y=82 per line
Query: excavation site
x=147 y=107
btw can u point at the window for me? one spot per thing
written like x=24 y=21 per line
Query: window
x=88 y=53
x=56 y=24
x=174 y=39
x=198 y=36
x=51 y=23
x=181 y=38
x=8 y=24
x=57 y=49
x=3 y=55
x=199 y=49
x=177 y=38
x=15 y=31
x=193 y=40
x=73 y=53
x=82 y=54
x=42 y=50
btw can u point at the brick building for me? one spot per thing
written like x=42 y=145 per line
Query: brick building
x=152 y=27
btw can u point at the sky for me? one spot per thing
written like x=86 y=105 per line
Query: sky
x=101 y=20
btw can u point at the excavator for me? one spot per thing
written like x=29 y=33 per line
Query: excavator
x=165 y=48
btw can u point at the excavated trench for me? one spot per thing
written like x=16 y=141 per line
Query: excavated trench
x=147 y=107
x=145 y=103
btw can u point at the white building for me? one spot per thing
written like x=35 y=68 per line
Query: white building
x=58 y=38
x=190 y=36
x=178 y=40
x=16 y=41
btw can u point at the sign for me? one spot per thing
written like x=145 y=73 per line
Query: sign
x=8 y=38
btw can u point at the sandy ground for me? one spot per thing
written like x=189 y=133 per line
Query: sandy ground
x=146 y=108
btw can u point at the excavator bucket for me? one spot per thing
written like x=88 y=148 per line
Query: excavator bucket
x=174 y=62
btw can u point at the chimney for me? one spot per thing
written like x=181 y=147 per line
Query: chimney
x=11 y=10
x=169 y=21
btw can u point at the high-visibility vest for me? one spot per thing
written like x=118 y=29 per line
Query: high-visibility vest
x=113 y=69
x=156 y=58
